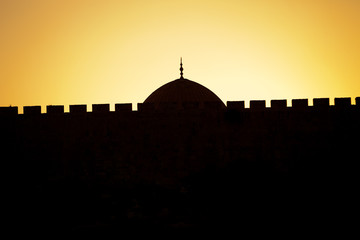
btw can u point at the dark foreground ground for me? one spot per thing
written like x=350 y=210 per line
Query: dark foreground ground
x=240 y=198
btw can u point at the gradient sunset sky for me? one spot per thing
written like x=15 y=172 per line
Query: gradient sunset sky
x=62 y=52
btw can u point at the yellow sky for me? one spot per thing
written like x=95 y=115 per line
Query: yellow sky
x=61 y=52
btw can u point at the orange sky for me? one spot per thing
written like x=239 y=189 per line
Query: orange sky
x=61 y=52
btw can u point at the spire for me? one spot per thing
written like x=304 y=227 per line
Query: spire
x=181 y=69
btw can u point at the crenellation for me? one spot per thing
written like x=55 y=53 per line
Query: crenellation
x=32 y=110
x=100 y=108
x=342 y=103
x=8 y=111
x=54 y=110
x=78 y=109
x=123 y=107
x=146 y=107
x=257 y=104
x=235 y=105
x=321 y=103
x=300 y=104
x=278 y=104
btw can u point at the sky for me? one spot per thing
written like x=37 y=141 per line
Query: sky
x=63 y=52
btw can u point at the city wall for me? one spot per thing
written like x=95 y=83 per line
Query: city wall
x=78 y=162
x=255 y=105
x=160 y=142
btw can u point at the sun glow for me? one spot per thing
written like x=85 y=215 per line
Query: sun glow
x=75 y=52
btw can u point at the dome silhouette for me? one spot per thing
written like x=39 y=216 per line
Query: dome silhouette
x=182 y=91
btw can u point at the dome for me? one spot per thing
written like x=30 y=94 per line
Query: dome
x=182 y=91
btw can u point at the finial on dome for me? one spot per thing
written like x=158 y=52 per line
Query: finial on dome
x=181 y=69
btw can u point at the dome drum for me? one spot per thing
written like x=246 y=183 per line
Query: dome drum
x=184 y=106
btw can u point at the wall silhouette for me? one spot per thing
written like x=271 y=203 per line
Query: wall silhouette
x=161 y=167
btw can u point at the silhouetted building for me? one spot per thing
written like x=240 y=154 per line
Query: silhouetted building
x=183 y=159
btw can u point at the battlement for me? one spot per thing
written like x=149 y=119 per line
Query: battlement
x=257 y=104
x=101 y=108
x=32 y=110
x=236 y=105
x=77 y=109
x=8 y=111
x=319 y=104
x=123 y=107
x=145 y=107
x=54 y=110
x=342 y=103
x=299 y=104
x=278 y=104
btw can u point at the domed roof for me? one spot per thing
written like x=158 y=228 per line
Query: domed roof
x=182 y=90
